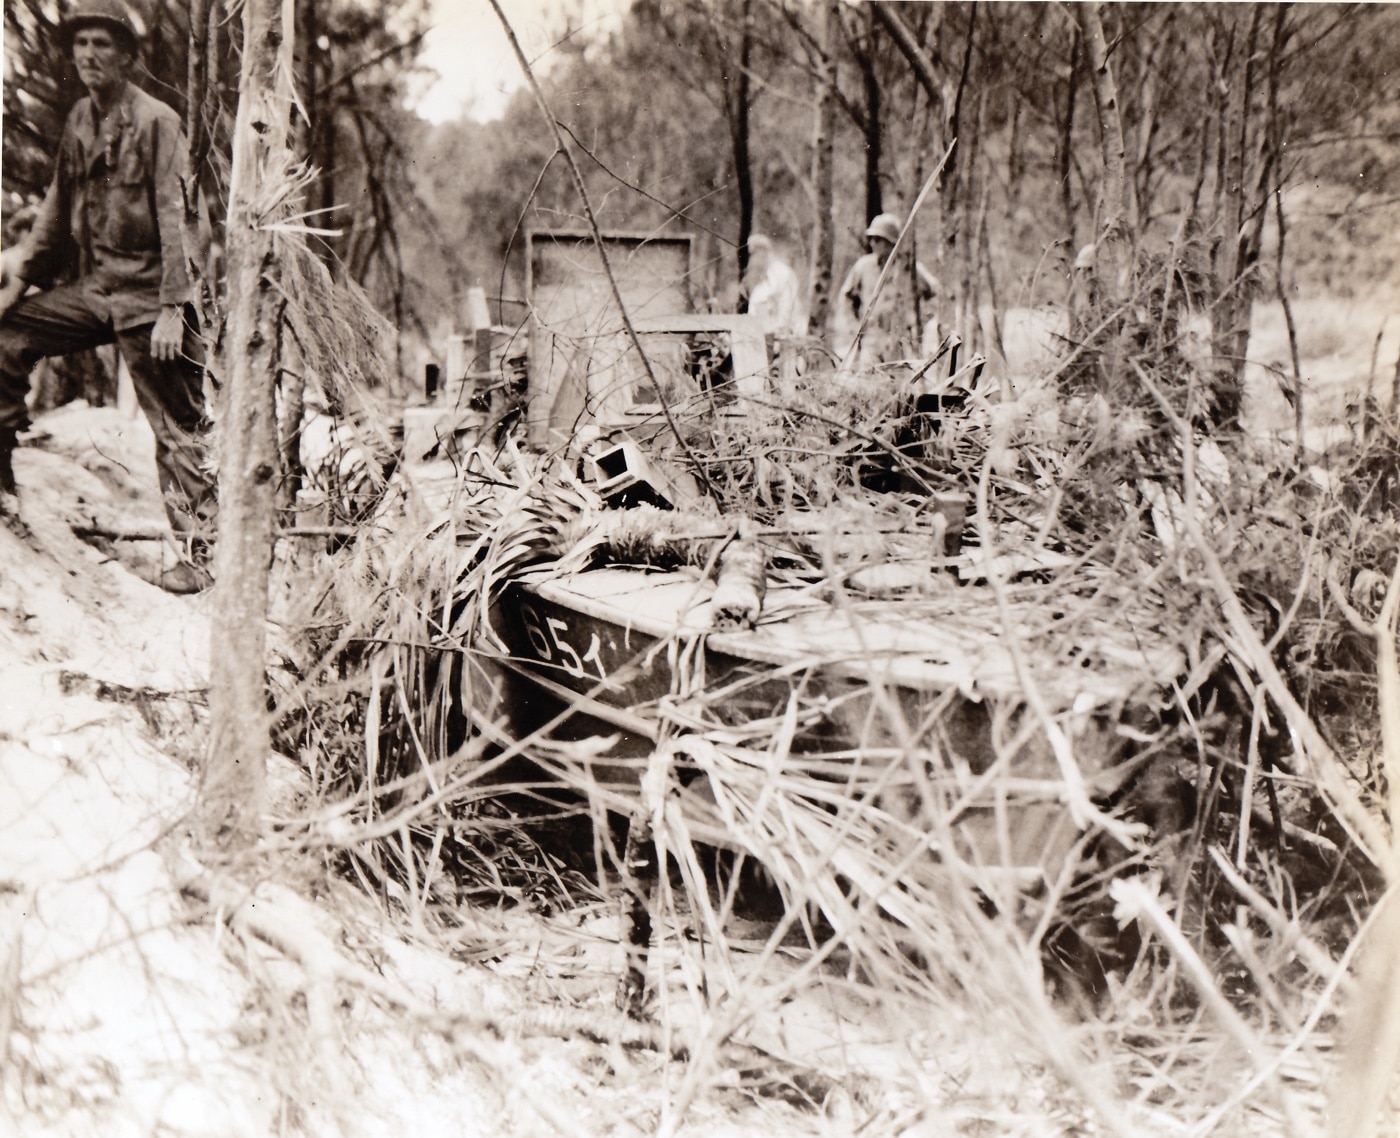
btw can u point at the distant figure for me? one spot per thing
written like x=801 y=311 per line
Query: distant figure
x=773 y=292
x=891 y=332
x=110 y=228
x=1082 y=291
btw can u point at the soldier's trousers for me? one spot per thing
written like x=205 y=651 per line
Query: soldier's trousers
x=64 y=320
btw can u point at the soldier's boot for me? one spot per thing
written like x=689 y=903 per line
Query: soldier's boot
x=182 y=569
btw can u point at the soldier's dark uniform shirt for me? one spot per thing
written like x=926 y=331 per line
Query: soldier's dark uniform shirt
x=116 y=197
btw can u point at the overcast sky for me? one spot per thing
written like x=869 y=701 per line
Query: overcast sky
x=476 y=69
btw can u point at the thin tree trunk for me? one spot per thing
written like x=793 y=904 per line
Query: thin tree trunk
x=306 y=122
x=316 y=134
x=871 y=82
x=969 y=221
x=743 y=170
x=1270 y=183
x=1220 y=98
x=1202 y=163
x=993 y=295
x=918 y=59
x=1158 y=47
x=1230 y=316
x=1013 y=147
x=918 y=139
x=306 y=131
x=192 y=233
x=955 y=113
x=234 y=775
x=1282 y=290
x=1111 y=243
x=959 y=176
x=824 y=227
x=1268 y=162
x=291 y=384
x=1066 y=144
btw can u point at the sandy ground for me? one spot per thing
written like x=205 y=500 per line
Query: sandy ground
x=1346 y=348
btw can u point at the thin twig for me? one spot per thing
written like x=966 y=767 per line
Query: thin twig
x=1309 y=952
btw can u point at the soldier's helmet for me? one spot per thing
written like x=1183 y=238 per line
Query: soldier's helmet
x=885 y=226
x=110 y=14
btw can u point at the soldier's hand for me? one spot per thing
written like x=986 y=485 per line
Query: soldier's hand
x=168 y=336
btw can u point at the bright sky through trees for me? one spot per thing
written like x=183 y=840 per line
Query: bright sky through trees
x=476 y=72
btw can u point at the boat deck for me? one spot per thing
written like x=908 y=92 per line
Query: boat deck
x=951 y=637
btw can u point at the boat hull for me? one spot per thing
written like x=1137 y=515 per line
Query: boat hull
x=937 y=743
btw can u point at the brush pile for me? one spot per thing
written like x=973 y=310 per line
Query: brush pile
x=1216 y=820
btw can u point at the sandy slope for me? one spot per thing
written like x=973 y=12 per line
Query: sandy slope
x=104 y=1035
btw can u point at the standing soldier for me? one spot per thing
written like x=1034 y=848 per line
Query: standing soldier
x=890 y=328
x=110 y=226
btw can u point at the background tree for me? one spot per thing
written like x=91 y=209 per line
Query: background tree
x=824 y=81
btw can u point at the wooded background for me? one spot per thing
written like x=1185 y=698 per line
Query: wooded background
x=1239 y=124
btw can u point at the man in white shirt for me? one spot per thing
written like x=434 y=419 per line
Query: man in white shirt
x=773 y=292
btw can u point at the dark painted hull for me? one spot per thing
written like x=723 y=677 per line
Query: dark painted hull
x=911 y=718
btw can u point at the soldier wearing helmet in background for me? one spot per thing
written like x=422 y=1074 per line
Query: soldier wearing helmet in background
x=891 y=331
x=110 y=230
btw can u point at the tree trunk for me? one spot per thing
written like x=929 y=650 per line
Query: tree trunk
x=918 y=59
x=291 y=384
x=743 y=170
x=192 y=229
x=1112 y=254
x=950 y=172
x=1270 y=182
x=1230 y=315
x=1065 y=144
x=1013 y=147
x=1143 y=182
x=235 y=772
x=824 y=227
x=957 y=202
x=972 y=200
x=871 y=83
x=316 y=132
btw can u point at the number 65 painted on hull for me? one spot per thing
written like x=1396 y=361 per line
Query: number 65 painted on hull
x=549 y=637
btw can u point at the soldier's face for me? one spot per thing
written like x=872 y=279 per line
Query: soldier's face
x=101 y=61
